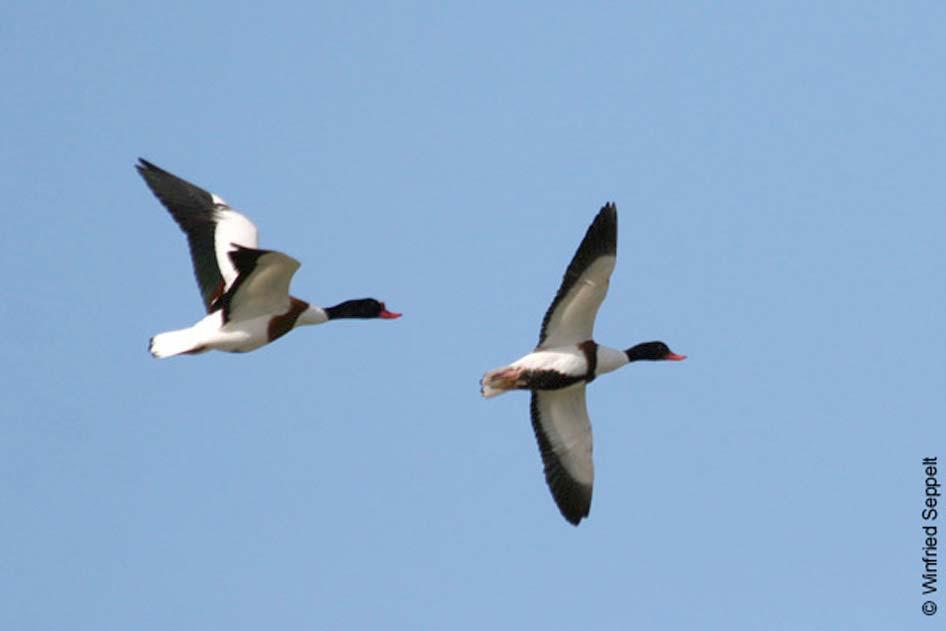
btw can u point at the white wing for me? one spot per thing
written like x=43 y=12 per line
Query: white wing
x=261 y=286
x=571 y=317
x=563 y=430
x=233 y=230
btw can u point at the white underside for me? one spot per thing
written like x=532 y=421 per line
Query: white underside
x=567 y=360
x=234 y=337
x=573 y=320
x=564 y=418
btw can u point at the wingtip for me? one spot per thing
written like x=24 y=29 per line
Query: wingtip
x=574 y=521
x=143 y=166
x=573 y=512
x=609 y=211
x=605 y=226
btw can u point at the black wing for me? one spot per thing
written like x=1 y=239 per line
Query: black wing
x=193 y=209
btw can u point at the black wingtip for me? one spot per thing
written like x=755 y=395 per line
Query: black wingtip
x=573 y=506
x=606 y=221
x=602 y=233
x=610 y=209
x=144 y=165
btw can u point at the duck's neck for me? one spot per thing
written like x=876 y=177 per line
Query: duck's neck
x=312 y=315
x=635 y=353
x=609 y=359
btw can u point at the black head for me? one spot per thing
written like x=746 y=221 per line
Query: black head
x=653 y=351
x=365 y=308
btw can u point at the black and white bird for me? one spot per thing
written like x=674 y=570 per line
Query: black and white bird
x=566 y=359
x=244 y=289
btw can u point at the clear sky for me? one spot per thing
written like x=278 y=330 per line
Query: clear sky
x=780 y=175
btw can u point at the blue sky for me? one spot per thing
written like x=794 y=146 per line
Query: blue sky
x=779 y=175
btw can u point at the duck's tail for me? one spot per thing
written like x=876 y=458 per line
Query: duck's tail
x=175 y=343
x=497 y=381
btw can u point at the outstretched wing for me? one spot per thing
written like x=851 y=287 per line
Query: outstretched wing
x=561 y=424
x=261 y=286
x=210 y=225
x=570 y=318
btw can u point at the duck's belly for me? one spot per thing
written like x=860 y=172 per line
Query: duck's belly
x=243 y=336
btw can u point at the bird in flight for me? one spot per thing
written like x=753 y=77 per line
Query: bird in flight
x=245 y=290
x=567 y=359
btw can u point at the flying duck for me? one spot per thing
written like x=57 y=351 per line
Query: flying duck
x=565 y=360
x=244 y=289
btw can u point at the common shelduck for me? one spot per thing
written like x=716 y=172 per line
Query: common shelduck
x=566 y=359
x=245 y=290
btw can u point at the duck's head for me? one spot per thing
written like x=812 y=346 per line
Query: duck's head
x=653 y=351
x=365 y=308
